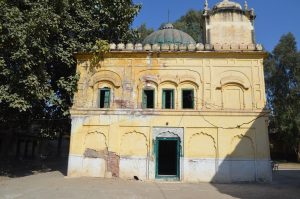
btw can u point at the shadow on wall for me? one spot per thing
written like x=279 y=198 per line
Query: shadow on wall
x=249 y=157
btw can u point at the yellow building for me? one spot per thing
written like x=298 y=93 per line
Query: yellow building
x=174 y=109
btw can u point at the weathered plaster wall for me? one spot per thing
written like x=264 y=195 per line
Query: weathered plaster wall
x=230 y=27
x=222 y=139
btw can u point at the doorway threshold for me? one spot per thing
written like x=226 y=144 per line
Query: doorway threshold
x=167 y=178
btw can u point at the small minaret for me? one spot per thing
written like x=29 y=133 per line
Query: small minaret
x=206 y=6
x=246 y=5
x=205 y=33
x=228 y=22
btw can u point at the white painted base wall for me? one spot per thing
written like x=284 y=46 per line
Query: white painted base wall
x=89 y=167
x=227 y=171
x=192 y=170
x=130 y=167
x=199 y=170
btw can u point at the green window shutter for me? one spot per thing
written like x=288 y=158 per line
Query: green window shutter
x=99 y=98
x=164 y=99
x=153 y=98
x=172 y=99
x=193 y=99
x=144 y=100
x=107 y=99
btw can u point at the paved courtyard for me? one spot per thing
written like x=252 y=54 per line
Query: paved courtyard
x=53 y=184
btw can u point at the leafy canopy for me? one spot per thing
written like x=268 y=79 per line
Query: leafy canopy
x=283 y=89
x=191 y=23
x=141 y=33
x=37 y=41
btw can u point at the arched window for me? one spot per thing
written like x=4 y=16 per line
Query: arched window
x=148 y=98
x=103 y=95
x=187 y=98
x=188 y=91
x=235 y=90
x=168 y=98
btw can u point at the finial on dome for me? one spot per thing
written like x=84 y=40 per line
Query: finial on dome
x=206 y=5
x=206 y=8
x=168 y=26
x=246 y=5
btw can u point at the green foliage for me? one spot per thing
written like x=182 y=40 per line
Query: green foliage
x=282 y=78
x=101 y=47
x=141 y=33
x=37 y=41
x=191 y=23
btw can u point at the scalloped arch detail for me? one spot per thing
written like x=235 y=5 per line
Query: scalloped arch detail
x=125 y=150
x=97 y=140
x=135 y=132
x=236 y=150
x=168 y=133
x=204 y=134
x=206 y=147
x=240 y=136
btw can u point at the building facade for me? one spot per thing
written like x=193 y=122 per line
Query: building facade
x=174 y=109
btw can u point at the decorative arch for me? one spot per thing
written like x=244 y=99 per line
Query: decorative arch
x=108 y=76
x=168 y=134
x=190 y=79
x=235 y=78
x=243 y=148
x=168 y=81
x=234 y=86
x=161 y=75
x=96 y=141
x=147 y=82
x=208 y=150
x=149 y=78
x=134 y=144
x=196 y=74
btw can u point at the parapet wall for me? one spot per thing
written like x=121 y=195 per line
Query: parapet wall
x=185 y=47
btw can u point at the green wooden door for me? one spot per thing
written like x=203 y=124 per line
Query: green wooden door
x=167 y=161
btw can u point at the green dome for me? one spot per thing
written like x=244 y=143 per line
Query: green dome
x=169 y=35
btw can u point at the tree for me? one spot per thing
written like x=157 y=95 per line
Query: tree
x=142 y=32
x=282 y=77
x=37 y=41
x=191 y=23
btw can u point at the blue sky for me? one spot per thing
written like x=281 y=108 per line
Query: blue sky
x=274 y=17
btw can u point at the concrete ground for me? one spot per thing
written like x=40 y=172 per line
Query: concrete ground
x=53 y=184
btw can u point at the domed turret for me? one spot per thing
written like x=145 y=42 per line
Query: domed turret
x=226 y=4
x=169 y=35
x=228 y=23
